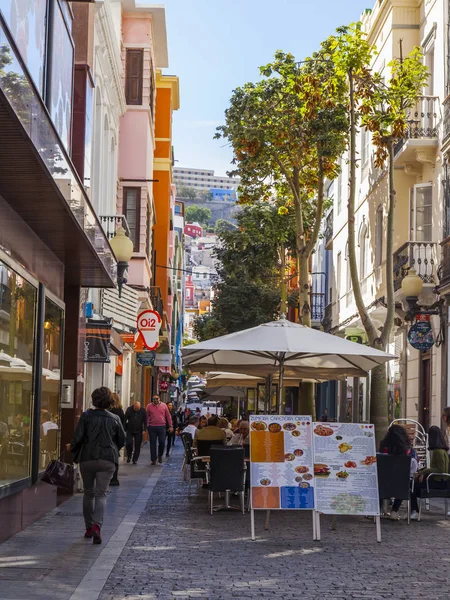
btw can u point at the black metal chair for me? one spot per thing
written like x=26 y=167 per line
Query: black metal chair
x=434 y=489
x=185 y=437
x=226 y=474
x=204 y=446
x=394 y=478
x=196 y=466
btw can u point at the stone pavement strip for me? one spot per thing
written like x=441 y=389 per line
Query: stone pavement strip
x=52 y=560
x=170 y=548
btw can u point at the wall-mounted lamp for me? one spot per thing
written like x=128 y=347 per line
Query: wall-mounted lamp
x=123 y=249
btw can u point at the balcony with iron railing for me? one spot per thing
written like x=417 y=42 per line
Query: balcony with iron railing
x=422 y=126
x=446 y=125
x=111 y=223
x=317 y=306
x=420 y=256
x=327 y=320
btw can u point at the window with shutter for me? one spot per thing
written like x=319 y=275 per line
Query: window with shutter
x=132 y=212
x=134 y=73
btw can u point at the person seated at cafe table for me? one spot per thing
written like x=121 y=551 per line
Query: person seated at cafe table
x=242 y=437
x=212 y=432
x=223 y=424
x=439 y=463
x=202 y=422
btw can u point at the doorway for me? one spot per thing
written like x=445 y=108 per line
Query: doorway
x=425 y=390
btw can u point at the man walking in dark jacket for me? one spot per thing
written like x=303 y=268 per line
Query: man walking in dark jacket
x=135 y=425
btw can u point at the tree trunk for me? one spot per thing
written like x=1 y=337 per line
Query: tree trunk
x=304 y=296
x=379 y=402
x=379 y=390
x=283 y=286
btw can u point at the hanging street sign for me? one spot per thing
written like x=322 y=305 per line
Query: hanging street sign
x=145 y=359
x=420 y=335
x=149 y=324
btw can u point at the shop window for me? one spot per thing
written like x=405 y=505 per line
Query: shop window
x=134 y=75
x=18 y=302
x=51 y=384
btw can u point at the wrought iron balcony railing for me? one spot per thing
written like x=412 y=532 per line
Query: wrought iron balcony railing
x=111 y=223
x=444 y=267
x=420 y=256
x=446 y=125
x=317 y=306
x=327 y=320
x=423 y=121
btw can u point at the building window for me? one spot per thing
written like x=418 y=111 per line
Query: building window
x=152 y=88
x=348 y=281
x=379 y=234
x=134 y=73
x=365 y=148
x=363 y=252
x=422 y=213
x=18 y=302
x=338 y=275
x=149 y=238
x=132 y=212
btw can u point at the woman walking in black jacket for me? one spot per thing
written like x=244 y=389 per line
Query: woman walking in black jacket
x=116 y=409
x=96 y=444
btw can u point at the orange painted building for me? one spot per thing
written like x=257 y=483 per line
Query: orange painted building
x=167 y=100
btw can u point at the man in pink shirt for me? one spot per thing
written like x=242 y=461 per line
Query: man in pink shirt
x=158 y=422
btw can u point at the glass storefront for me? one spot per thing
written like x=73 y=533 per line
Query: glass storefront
x=51 y=384
x=19 y=405
x=18 y=305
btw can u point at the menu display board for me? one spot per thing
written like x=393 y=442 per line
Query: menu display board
x=281 y=462
x=345 y=469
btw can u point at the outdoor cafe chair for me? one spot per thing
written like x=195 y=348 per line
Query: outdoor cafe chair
x=226 y=474
x=204 y=446
x=185 y=437
x=434 y=492
x=197 y=468
x=394 y=478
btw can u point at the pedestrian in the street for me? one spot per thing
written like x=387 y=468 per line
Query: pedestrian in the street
x=159 y=421
x=171 y=434
x=135 y=426
x=116 y=409
x=180 y=417
x=96 y=443
x=439 y=463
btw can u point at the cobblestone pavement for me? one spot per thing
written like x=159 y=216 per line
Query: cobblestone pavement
x=178 y=551
x=50 y=559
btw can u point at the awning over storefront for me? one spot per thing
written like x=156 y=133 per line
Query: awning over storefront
x=39 y=181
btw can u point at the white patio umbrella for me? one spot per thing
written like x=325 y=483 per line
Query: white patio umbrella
x=289 y=348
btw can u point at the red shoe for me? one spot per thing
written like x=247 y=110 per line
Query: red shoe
x=96 y=534
x=89 y=533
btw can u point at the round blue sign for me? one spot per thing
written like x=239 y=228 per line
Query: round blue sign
x=420 y=336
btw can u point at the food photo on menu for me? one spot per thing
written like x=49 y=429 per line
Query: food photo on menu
x=281 y=462
x=345 y=470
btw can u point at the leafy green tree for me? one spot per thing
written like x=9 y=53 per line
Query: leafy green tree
x=383 y=109
x=206 y=196
x=250 y=270
x=187 y=193
x=223 y=225
x=198 y=214
x=288 y=132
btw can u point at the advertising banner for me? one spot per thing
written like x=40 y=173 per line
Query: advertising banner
x=281 y=462
x=98 y=341
x=345 y=469
x=149 y=324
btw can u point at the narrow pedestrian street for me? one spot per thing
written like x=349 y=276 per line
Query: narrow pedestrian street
x=159 y=544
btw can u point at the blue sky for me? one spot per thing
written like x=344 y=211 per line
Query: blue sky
x=217 y=45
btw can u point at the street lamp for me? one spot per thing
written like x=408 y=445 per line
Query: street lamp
x=412 y=286
x=123 y=249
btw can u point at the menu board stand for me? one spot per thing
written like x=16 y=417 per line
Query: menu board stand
x=345 y=472
x=281 y=465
